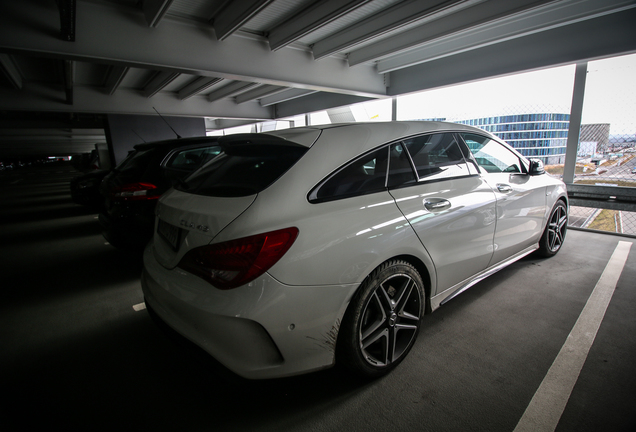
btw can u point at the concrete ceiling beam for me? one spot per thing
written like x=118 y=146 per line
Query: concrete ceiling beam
x=437 y=27
x=518 y=25
x=605 y=36
x=11 y=70
x=284 y=96
x=317 y=15
x=154 y=10
x=259 y=92
x=386 y=21
x=41 y=97
x=235 y=14
x=120 y=36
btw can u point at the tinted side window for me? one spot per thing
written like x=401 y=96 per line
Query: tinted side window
x=400 y=169
x=436 y=156
x=190 y=159
x=491 y=156
x=363 y=176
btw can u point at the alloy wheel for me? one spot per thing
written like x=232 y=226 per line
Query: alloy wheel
x=556 y=228
x=390 y=320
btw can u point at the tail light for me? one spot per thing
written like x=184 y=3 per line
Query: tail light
x=136 y=192
x=234 y=263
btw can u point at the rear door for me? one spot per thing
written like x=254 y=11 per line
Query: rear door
x=448 y=204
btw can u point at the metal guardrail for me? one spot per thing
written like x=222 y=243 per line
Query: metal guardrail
x=606 y=197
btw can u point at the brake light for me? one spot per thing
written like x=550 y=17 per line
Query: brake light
x=234 y=263
x=136 y=192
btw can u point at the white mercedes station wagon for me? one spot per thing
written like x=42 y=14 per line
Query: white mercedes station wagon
x=297 y=249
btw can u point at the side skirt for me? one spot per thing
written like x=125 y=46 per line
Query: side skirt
x=454 y=291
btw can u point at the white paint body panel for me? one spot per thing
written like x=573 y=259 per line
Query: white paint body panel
x=291 y=314
x=458 y=238
x=226 y=323
x=520 y=212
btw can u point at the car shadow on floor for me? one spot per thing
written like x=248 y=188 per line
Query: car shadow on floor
x=128 y=376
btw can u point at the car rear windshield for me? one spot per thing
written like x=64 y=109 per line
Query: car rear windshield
x=139 y=165
x=243 y=169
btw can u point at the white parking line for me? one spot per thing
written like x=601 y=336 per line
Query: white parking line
x=547 y=405
x=139 y=307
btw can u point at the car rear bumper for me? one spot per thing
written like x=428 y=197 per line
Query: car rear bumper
x=261 y=330
x=127 y=227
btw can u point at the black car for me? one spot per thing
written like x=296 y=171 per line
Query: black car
x=132 y=189
x=85 y=189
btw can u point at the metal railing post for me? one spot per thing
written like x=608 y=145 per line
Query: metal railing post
x=576 y=112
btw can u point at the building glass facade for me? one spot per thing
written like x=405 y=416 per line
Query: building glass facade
x=542 y=135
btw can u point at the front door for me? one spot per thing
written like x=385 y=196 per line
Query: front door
x=521 y=199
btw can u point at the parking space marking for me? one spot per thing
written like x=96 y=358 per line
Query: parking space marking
x=547 y=405
x=139 y=307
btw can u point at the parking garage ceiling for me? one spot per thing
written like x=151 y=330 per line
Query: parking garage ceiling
x=67 y=63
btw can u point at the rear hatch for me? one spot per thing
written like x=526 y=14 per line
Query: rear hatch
x=197 y=209
x=185 y=221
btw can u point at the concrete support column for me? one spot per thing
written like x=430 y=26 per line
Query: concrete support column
x=576 y=112
x=394 y=108
x=125 y=131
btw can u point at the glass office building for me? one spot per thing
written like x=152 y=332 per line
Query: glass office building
x=543 y=135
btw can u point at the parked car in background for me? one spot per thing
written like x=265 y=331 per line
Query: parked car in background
x=131 y=190
x=85 y=189
x=296 y=249
x=86 y=162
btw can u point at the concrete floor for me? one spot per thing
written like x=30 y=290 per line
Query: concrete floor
x=76 y=355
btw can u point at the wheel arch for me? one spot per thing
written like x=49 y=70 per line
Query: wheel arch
x=424 y=274
x=347 y=325
x=421 y=268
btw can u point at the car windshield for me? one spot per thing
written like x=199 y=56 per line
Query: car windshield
x=242 y=170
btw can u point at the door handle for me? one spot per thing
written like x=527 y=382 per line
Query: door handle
x=437 y=205
x=504 y=188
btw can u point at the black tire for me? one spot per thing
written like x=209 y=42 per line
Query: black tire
x=555 y=230
x=382 y=321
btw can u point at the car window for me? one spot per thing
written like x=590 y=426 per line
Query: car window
x=400 y=169
x=242 y=169
x=491 y=156
x=190 y=159
x=363 y=176
x=436 y=156
x=134 y=160
x=140 y=165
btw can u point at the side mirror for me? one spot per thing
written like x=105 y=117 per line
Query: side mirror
x=536 y=167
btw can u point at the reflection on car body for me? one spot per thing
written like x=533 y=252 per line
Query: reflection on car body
x=345 y=233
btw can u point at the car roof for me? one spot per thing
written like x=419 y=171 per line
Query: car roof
x=372 y=133
x=177 y=142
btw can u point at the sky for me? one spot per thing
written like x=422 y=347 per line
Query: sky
x=610 y=97
x=610 y=93
x=542 y=91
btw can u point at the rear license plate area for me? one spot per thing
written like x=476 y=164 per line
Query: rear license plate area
x=170 y=234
